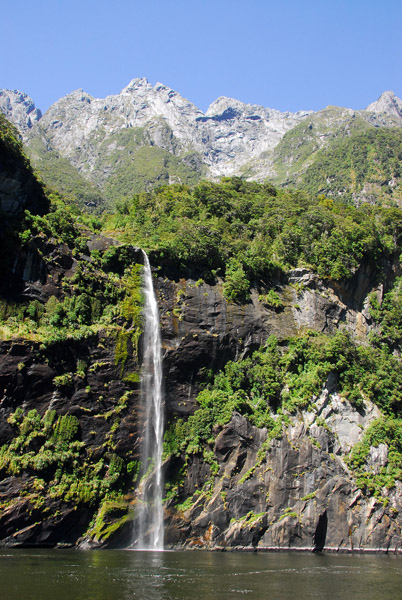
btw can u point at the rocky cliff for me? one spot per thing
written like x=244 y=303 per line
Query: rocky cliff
x=19 y=189
x=251 y=494
x=76 y=124
x=19 y=109
x=240 y=490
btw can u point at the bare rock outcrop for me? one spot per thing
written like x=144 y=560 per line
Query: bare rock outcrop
x=299 y=494
x=20 y=109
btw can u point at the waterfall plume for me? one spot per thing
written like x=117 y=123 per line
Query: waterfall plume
x=148 y=534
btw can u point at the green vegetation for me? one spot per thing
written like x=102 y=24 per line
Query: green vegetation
x=50 y=449
x=59 y=224
x=147 y=168
x=112 y=515
x=10 y=142
x=247 y=232
x=300 y=146
x=240 y=235
x=388 y=315
x=128 y=336
x=279 y=379
x=58 y=173
x=386 y=430
x=15 y=165
x=127 y=162
x=367 y=164
x=289 y=513
x=249 y=519
x=102 y=290
x=271 y=299
x=236 y=286
x=341 y=155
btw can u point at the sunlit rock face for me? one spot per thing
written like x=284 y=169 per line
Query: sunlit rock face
x=228 y=135
x=387 y=104
x=277 y=502
x=20 y=109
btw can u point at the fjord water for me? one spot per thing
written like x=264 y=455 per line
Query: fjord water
x=148 y=530
x=125 y=575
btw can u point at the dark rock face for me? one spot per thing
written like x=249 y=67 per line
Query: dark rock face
x=19 y=189
x=300 y=494
x=263 y=495
x=27 y=381
x=201 y=331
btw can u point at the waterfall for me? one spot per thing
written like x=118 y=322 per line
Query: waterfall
x=149 y=511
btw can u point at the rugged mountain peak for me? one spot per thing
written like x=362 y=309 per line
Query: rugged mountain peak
x=74 y=98
x=146 y=95
x=222 y=103
x=136 y=84
x=229 y=108
x=19 y=109
x=387 y=103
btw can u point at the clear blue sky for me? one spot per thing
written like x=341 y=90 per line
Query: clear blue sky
x=287 y=54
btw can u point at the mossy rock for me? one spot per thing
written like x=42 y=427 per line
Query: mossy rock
x=111 y=517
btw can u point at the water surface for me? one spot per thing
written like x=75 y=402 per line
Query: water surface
x=125 y=575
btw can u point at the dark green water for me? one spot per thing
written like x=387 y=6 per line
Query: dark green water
x=125 y=575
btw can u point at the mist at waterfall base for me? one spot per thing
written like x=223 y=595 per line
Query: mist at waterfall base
x=31 y=574
x=148 y=522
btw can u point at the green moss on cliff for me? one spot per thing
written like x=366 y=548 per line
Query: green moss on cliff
x=50 y=449
x=128 y=337
x=379 y=475
x=112 y=515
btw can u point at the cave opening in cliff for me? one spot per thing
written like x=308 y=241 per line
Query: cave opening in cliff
x=320 y=533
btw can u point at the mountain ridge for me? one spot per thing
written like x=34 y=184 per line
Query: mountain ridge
x=387 y=102
x=145 y=135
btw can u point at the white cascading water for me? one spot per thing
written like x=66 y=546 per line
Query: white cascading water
x=149 y=512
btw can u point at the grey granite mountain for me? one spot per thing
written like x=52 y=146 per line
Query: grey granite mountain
x=19 y=109
x=75 y=125
x=150 y=135
x=388 y=105
x=298 y=148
